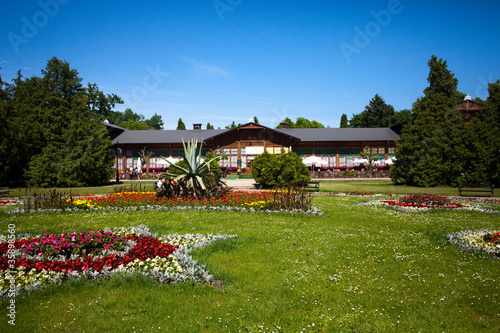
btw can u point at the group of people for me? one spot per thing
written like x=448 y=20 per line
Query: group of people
x=135 y=173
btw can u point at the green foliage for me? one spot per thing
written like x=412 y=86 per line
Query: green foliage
x=301 y=122
x=180 y=125
x=155 y=122
x=343 y=121
x=482 y=142
x=376 y=114
x=279 y=170
x=54 y=135
x=210 y=127
x=196 y=169
x=401 y=116
x=430 y=151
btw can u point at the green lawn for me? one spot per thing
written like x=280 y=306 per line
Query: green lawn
x=387 y=186
x=354 y=269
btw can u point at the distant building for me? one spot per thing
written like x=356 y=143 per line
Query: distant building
x=468 y=108
x=338 y=146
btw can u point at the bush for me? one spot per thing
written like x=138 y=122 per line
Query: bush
x=279 y=170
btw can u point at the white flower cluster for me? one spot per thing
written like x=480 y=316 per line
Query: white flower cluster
x=473 y=241
x=177 y=267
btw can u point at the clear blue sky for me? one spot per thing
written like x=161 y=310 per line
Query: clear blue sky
x=224 y=60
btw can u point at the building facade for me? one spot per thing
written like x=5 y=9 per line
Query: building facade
x=339 y=146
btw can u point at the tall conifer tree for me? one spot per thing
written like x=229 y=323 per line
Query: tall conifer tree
x=430 y=151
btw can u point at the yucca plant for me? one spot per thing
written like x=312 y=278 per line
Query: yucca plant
x=196 y=170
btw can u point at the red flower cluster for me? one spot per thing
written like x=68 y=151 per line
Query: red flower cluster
x=492 y=238
x=146 y=247
x=450 y=205
x=237 y=198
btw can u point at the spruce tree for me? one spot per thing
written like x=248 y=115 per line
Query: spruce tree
x=482 y=162
x=180 y=125
x=377 y=113
x=430 y=151
x=343 y=121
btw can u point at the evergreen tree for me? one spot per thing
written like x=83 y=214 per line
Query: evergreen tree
x=56 y=137
x=209 y=127
x=180 y=125
x=255 y=120
x=430 y=150
x=343 y=121
x=355 y=121
x=401 y=116
x=155 y=122
x=377 y=113
x=482 y=162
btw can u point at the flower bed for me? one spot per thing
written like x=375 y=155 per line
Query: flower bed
x=256 y=201
x=30 y=262
x=482 y=240
x=426 y=202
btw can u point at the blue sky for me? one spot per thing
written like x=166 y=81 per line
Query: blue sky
x=224 y=60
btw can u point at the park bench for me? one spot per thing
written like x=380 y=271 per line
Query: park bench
x=309 y=185
x=4 y=190
x=476 y=188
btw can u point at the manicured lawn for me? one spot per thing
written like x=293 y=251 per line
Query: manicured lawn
x=387 y=186
x=359 y=269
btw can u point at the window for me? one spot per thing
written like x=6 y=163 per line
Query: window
x=391 y=150
x=152 y=162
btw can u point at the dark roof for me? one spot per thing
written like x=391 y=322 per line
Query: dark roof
x=302 y=134
x=341 y=134
x=165 y=136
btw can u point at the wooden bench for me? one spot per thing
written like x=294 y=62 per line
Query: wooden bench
x=309 y=185
x=476 y=188
x=4 y=190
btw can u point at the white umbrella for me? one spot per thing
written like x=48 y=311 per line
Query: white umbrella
x=314 y=160
x=169 y=159
x=390 y=161
x=358 y=161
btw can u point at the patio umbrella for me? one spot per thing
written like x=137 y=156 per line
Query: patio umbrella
x=390 y=161
x=314 y=160
x=358 y=161
x=169 y=159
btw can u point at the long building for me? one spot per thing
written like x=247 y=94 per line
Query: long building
x=338 y=146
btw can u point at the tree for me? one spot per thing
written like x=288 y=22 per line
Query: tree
x=155 y=122
x=377 y=113
x=209 y=127
x=255 y=120
x=56 y=135
x=343 y=121
x=430 y=151
x=355 y=121
x=402 y=116
x=302 y=123
x=482 y=161
x=180 y=125
x=233 y=125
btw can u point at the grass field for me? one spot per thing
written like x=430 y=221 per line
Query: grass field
x=354 y=269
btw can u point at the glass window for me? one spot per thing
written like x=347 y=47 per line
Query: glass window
x=391 y=151
x=341 y=160
x=333 y=151
x=120 y=164
x=243 y=151
x=129 y=153
x=152 y=162
x=342 y=151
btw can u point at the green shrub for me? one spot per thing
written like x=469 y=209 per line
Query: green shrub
x=279 y=170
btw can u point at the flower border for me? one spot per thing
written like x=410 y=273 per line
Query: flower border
x=473 y=241
x=177 y=267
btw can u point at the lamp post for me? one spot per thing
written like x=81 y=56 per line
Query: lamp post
x=118 y=152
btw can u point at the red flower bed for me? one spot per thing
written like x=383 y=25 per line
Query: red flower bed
x=145 y=248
